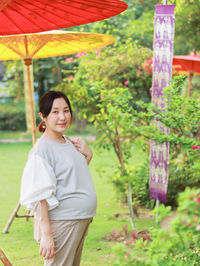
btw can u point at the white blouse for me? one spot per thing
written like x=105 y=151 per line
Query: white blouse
x=38 y=183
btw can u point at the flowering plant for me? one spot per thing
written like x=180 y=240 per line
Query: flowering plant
x=195 y=147
x=177 y=245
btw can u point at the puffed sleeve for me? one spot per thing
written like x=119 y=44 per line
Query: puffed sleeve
x=38 y=183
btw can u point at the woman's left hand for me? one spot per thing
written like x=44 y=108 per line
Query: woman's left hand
x=83 y=148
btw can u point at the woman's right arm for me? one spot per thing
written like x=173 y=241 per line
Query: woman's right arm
x=47 y=248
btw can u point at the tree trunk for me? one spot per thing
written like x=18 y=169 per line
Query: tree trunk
x=80 y=124
x=118 y=150
x=59 y=73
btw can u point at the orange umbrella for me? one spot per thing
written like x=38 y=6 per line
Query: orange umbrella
x=30 y=16
x=42 y=45
x=187 y=64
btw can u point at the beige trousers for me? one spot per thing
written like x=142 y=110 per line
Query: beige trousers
x=68 y=237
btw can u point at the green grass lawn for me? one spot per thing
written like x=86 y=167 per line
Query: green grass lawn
x=89 y=130
x=19 y=245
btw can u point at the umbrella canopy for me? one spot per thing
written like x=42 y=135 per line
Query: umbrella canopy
x=178 y=69
x=49 y=44
x=187 y=64
x=18 y=16
x=42 y=45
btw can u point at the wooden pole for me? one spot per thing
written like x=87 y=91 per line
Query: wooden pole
x=28 y=62
x=12 y=217
x=15 y=215
x=4 y=259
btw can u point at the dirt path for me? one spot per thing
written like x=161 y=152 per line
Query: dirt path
x=166 y=222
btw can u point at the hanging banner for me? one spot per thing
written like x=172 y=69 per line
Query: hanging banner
x=162 y=74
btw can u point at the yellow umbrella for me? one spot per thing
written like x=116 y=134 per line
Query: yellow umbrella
x=43 y=45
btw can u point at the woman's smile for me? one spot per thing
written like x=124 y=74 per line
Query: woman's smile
x=62 y=124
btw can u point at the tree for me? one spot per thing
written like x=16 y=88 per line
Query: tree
x=104 y=89
x=187 y=26
x=182 y=118
x=14 y=78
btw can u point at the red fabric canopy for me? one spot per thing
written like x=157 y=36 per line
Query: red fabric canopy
x=30 y=16
x=188 y=63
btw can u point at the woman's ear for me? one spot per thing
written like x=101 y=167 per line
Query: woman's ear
x=41 y=116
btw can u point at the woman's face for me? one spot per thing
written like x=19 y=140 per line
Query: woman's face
x=59 y=119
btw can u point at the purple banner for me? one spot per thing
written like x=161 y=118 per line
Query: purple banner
x=162 y=74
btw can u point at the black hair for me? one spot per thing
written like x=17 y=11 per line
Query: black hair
x=46 y=103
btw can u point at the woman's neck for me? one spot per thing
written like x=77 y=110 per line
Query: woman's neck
x=54 y=136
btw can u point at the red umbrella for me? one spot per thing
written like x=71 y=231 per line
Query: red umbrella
x=30 y=16
x=189 y=63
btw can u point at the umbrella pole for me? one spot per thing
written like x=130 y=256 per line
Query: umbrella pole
x=190 y=84
x=28 y=62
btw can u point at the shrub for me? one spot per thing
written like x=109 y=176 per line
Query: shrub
x=178 y=246
x=183 y=120
x=12 y=116
x=184 y=171
x=12 y=120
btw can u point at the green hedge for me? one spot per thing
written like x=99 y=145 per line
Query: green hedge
x=12 y=116
x=13 y=120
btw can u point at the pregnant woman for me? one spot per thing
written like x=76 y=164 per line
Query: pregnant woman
x=57 y=186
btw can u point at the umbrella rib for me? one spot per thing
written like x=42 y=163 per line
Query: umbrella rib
x=13 y=49
x=76 y=47
x=99 y=3
x=4 y=11
x=42 y=45
x=26 y=45
x=107 y=4
x=39 y=15
x=4 y=4
x=72 y=13
x=3 y=50
x=64 y=53
x=13 y=21
x=92 y=46
x=185 y=65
